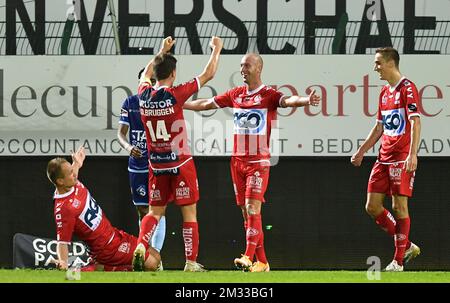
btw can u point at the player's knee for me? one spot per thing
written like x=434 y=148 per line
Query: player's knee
x=251 y=209
x=399 y=210
x=372 y=209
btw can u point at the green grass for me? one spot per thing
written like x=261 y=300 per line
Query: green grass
x=220 y=276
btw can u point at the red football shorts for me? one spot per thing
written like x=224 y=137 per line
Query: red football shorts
x=119 y=251
x=391 y=179
x=179 y=185
x=250 y=180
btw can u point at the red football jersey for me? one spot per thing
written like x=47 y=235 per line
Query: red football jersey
x=396 y=106
x=76 y=212
x=253 y=113
x=162 y=115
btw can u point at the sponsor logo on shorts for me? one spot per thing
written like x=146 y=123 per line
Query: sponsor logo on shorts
x=141 y=190
x=395 y=172
x=255 y=181
x=155 y=194
x=182 y=192
x=124 y=247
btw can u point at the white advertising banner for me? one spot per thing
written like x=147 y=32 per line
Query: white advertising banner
x=51 y=105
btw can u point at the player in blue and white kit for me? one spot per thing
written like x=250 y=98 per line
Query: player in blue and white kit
x=130 y=122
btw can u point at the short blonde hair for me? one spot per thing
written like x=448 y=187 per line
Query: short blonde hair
x=54 y=169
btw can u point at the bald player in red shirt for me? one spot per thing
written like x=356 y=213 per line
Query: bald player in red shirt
x=254 y=108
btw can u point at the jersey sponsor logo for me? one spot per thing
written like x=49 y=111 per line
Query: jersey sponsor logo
x=139 y=139
x=250 y=122
x=92 y=214
x=157 y=104
x=154 y=107
x=123 y=112
x=412 y=107
x=394 y=122
x=76 y=203
x=163 y=157
x=257 y=100
x=170 y=171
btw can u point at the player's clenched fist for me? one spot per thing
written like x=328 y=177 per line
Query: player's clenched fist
x=167 y=44
x=216 y=42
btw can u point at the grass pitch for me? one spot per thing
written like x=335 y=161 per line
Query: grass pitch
x=221 y=276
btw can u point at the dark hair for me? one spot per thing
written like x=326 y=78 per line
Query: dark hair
x=164 y=65
x=389 y=53
x=54 y=169
x=140 y=73
x=152 y=80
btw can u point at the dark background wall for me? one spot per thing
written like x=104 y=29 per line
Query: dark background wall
x=315 y=207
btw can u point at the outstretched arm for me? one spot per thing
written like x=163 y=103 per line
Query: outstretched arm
x=211 y=67
x=77 y=160
x=166 y=45
x=200 y=104
x=297 y=101
x=370 y=141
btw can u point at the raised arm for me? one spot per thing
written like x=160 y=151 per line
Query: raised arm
x=370 y=141
x=200 y=104
x=166 y=45
x=297 y=101
x=77 y=160
x=211 y=67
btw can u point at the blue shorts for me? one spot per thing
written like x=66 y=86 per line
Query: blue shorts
x=139 y=187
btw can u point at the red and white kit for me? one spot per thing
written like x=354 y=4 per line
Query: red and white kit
x=253 y=113
x=172 y=176
x=396 y=107
x=77 y=212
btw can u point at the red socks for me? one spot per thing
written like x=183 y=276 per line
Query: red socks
x=254 y=230
x=260 y=251
x=401 y=239
x=148 y=226
x=387 y=222
x=191 y=240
